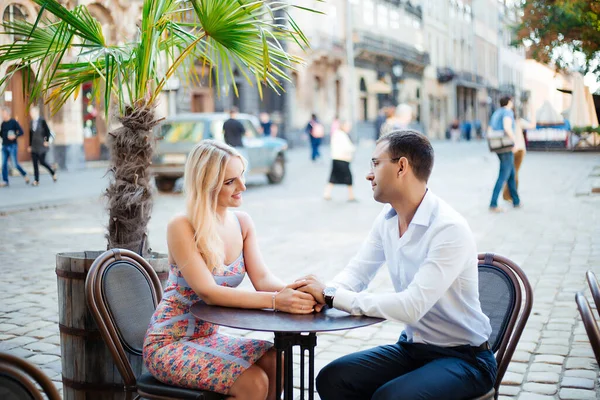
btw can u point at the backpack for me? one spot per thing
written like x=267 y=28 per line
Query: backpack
x=317 y=130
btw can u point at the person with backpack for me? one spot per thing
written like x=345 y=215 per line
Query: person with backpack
x=39 y=144
x=501 y=140
x=315 y=131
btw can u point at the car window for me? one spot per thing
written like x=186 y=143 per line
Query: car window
x=250 y=129
x=174 y=132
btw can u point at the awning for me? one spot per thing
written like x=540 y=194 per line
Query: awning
x=379 y=87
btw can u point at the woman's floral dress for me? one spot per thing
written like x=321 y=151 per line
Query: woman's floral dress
x=182 y=351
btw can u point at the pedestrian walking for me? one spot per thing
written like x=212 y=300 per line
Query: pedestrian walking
x=315 y=132
x=10 y=130
x=233 y=130
x=401 y=119
x=382 y=116
x=453 y=131
x=266 y=125
x=342 y=152
x=519 y=151
x=501 y=140
x=39 y=143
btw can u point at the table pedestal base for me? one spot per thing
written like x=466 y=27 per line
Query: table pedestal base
x=284 y=343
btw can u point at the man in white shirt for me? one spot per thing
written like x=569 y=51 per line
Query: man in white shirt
x=432 y=260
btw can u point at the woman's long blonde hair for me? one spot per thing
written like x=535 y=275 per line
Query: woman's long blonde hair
x=203 y=179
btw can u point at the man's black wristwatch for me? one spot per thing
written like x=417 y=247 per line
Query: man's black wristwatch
x=329 y=294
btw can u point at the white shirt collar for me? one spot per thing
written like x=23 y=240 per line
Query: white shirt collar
x=423 y=214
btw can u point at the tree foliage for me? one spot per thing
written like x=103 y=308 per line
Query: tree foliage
x=556 y=29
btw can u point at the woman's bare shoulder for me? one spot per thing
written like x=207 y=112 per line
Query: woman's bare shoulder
x=179 y=223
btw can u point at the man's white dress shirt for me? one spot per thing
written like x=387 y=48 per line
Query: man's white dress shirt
x=433 y=268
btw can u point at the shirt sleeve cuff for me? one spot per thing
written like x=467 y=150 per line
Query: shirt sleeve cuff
x=344 y=299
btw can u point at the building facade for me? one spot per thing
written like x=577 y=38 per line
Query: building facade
x=80 y=127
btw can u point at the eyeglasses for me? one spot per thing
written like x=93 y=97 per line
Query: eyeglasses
x=375 y=161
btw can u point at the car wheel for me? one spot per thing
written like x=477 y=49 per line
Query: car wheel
x=277 y=171
x=164 y=184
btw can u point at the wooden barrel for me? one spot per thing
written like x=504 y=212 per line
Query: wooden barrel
x=88 y=370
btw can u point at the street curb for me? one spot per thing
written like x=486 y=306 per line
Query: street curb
x=22 y=208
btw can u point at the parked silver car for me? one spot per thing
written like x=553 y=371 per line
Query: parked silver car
x=179 y=134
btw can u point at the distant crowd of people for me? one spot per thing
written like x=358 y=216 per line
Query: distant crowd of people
x=39 y=144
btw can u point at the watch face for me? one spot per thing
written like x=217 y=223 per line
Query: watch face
x=329 y=291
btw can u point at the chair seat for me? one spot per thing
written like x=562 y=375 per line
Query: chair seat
x=147 y=384
x=488 y=396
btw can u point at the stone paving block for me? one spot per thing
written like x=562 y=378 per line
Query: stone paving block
x=555 y=341
x=549 y=359
x=576 y=394
x=41 y=359
x=580 y=363
x=543 y=377
x=586 y=352
x=553 y=350
x=581 y=373
x=17 y=341
x=577 y=383
x=6 y=337
x=540 y=388
x=527 y=346
x=509 y=390
x=517 y=367
x=534 y=396
x=40 y=347
x=544 y=367
x=521 y=356
x=53 y=339
x=512 y=379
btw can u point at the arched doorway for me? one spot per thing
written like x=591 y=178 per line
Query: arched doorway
x=16 y=96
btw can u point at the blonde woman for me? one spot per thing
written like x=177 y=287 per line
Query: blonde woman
x=211 y=248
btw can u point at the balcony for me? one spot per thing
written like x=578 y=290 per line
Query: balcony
x=367 y=45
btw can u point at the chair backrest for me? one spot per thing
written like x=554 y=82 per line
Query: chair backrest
x=594 y=288
x=18 y=379
x=122 y=291
x=591 y=326
x=506 y=297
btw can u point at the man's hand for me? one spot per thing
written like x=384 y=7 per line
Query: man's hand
x=313 y=287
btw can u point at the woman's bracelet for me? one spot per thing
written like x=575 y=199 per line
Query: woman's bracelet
x=273 y=298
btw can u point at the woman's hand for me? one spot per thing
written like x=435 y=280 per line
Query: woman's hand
x=293 y=301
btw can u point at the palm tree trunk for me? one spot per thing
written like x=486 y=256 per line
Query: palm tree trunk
x=129 y=193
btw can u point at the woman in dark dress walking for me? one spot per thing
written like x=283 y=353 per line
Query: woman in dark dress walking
x=39 y=144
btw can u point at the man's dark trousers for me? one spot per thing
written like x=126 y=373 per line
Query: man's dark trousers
x=409 y=371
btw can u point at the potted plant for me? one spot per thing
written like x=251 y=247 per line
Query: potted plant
x=65 y=48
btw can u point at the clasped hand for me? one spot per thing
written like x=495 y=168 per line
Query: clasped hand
x=303 y=296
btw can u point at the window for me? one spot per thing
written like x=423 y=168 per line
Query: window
x=368 y=12
x=12 y=13
x=185 y=132
x=382 y=16
x=394 y=19
x=251 y=131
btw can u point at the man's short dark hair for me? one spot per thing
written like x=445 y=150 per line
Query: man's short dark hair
x=504 y=100
x=413 y=145
x=234 y=110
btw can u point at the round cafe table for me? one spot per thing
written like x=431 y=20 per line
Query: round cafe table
x=290 y=330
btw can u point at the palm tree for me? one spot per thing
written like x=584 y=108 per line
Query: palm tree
x=66 y=48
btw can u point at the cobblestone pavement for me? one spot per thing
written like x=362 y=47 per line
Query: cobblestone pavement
x=555 y=237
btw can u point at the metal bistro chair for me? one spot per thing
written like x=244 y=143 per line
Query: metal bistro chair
x=122 y=291
x=594 y=288
x=18 y=379
x=591 y=326
x=506 y=297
